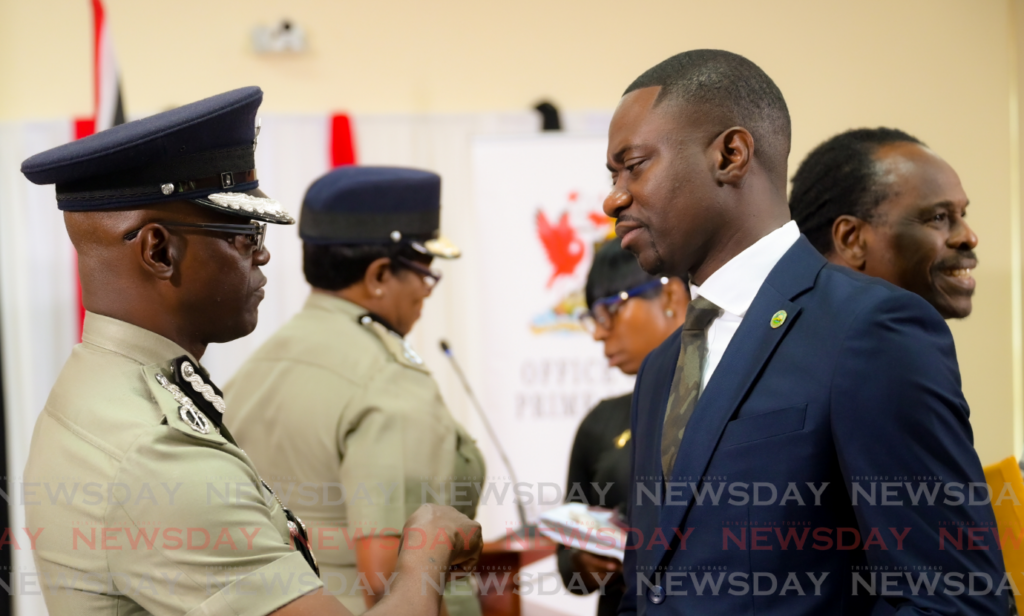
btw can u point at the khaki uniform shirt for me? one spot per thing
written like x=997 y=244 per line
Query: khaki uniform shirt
x=137 y=511
x=355 y=430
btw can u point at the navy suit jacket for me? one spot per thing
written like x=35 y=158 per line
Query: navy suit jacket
x=795 y=486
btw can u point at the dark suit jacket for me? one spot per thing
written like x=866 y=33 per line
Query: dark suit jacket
x=856 y=397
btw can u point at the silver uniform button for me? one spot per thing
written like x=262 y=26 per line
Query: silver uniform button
x=656 y=595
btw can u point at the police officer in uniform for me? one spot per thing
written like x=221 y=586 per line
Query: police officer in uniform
x=141 y=498
x=338 y=404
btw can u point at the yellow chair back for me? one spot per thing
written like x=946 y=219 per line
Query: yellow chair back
x=1004 y=478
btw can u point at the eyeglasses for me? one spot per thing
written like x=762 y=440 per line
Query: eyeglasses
x=255 y=232
x=603 y=311
x=430 y=275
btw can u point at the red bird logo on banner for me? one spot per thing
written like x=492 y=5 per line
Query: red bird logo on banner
x=563 y=245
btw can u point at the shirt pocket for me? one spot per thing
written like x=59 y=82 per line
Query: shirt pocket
x=764 y=425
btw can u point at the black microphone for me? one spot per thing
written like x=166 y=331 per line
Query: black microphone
x=525 y=530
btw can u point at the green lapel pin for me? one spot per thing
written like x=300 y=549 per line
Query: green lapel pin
x=778 y=319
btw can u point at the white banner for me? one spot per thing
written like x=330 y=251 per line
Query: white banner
x=538 y=201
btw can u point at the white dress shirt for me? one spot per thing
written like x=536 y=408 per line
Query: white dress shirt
x=734 y=286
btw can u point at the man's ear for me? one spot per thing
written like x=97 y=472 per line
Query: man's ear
x=733 y=153
x=161 y=254
x=850 y=238
x=377 y=275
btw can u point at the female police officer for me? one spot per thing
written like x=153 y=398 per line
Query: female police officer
x=168 y=222
x=338 y=404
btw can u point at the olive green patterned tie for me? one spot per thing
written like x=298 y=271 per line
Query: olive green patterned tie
x=686 y=385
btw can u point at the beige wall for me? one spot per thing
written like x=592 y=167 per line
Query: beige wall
x=940 y=69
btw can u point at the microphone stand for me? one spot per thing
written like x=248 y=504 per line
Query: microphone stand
x=525 y=531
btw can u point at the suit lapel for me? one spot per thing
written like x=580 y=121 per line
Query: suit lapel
x=744 y=359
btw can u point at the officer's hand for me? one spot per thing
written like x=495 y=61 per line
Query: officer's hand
x=436 y=540
x=593 y=568
x=454 y=537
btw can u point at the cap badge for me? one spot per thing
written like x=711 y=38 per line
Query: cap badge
x=167 y=188
x=201 y=387
x=442 y=247
x=188 y=411
x=778 y=319
x=227 y=179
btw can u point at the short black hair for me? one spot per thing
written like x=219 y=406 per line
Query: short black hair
x=334 y=267
x=614 y=270
x=734 y=92
x=841 y=177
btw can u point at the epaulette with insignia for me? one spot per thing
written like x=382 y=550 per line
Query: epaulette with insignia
x=202 y=403
x=207 y=396
x=189 y=412
x=394 y=342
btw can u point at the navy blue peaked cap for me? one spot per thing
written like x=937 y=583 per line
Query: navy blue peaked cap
x=201 y=152
x=376 y=205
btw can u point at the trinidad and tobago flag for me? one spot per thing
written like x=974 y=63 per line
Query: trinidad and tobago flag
x=109 y=109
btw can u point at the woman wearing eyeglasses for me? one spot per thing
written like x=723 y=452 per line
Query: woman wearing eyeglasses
x=339 y=410
x=631 y=313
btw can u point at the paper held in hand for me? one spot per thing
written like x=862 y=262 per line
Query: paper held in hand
x=591 y=529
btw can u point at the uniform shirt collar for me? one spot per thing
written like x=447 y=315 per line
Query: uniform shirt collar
x=329 y=302
x=332 y=303
x=132 y=341
x=734 y=286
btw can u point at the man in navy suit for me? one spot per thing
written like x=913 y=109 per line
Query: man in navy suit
x=802 y=445
x=879 y=201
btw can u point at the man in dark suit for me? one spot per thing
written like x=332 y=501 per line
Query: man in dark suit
x=803 y=445
x=879 y=201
